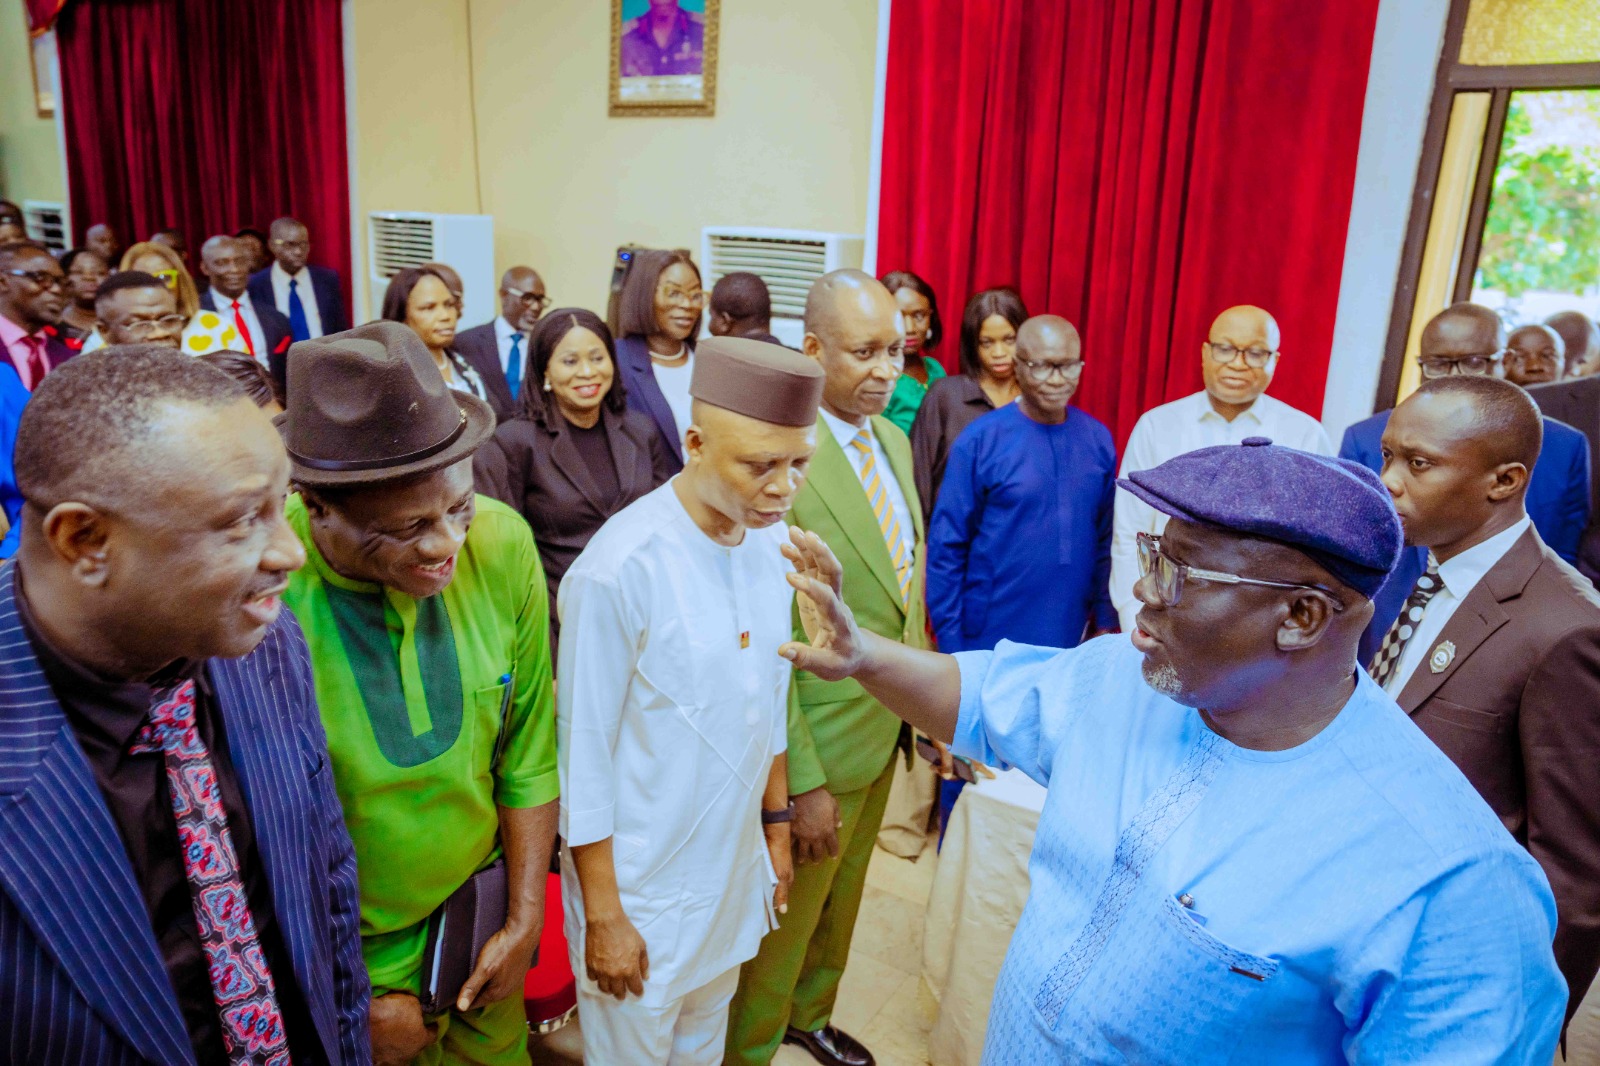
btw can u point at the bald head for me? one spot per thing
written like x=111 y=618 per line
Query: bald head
x=1048 y=336
x=1580 y=339
x=853 y=330
x=1246 y=325
x=226 y=262
x=1463 y=328
x=843 y=291
x=1535 y=355
x=522 y=297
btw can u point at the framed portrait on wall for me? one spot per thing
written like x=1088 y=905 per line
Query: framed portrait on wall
x=664 y=57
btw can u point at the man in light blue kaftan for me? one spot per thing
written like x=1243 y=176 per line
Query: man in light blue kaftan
x=1248 y=852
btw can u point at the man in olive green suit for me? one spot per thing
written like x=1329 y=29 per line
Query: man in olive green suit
x=859 y=497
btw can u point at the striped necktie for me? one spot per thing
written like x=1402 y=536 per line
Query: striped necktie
x=878 y=497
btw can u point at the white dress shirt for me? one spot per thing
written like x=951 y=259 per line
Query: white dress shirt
x=308 y=296
x=502 y=339
x=672 y=705
x=247 y=313
x=674 y=384
x=1170 y=430
x=844 y=433
x=1458 y=577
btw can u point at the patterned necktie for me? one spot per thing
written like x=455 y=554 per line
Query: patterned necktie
x=1394 y=644
x=299 y=326
x=514 y=365
x=878 y=497
x=252 y=1025
x=244 y=330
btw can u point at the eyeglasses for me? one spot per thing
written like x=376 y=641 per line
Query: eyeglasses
x=687 y=299
x=539 y=300
x=1223 y=353
x=1171 y=575
x=1442 y=367
x=141 y=328
x=1042 y=372
x=45 y=279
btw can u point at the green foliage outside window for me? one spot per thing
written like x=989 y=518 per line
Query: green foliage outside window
x=1543 y=228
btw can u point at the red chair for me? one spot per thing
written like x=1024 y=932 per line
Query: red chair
x=549 y=993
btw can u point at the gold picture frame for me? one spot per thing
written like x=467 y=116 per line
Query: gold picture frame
x=676 y=93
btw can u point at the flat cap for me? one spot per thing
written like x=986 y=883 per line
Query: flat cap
x=1334 y=511
x=763 y=381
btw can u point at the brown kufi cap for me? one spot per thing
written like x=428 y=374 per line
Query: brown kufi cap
x=767 y=382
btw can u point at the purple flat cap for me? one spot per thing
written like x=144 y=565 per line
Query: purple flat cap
x=1334 y=511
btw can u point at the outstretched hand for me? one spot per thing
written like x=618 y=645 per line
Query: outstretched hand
x=834 y=647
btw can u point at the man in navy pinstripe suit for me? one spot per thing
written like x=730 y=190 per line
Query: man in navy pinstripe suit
x=176 y=882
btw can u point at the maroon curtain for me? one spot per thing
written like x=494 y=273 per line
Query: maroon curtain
x=1134 y=165
x=206 y=117
x=41 y=14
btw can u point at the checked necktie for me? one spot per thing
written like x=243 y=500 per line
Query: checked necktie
x=878 y=497
x=247 y=1004
x=1394 y=644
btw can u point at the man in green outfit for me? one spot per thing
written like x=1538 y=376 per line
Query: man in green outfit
x=424 y=608
x=860 y=499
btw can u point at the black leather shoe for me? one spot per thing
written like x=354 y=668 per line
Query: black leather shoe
x=830 y=1046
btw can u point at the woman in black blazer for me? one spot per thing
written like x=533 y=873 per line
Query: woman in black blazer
x=576 y=454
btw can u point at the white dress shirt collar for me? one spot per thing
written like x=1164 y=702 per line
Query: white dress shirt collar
x=844 y=432
x=1201 y=409
x=1462 y=572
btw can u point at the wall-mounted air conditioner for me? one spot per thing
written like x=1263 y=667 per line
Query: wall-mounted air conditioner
x=47 y=224
x=788 y=260
x=400 y=239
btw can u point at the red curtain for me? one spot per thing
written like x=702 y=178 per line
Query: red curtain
x=206 y=117
x=41 y=14
x=1134 y=165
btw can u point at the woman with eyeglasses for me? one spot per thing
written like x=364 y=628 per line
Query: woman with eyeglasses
x=85 y=271
x=919 y=308
x=576 y=454
x=987 y=380
x=422 y=298
x=658 y=318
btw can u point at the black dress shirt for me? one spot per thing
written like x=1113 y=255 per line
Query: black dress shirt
x=952 y=404
x=106 y=716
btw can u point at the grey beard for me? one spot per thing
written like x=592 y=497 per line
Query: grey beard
x=1164 y=679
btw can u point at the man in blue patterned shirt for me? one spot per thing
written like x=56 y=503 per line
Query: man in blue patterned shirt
x=1248 y=852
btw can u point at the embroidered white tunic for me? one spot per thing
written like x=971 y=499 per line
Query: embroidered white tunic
x=671 y=706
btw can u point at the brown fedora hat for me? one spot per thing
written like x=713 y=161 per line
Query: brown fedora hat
x=369 y=405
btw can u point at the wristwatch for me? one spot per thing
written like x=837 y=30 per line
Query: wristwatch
x=774 y=817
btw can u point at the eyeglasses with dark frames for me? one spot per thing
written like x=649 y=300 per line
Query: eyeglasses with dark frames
x=1171 y=575
x=1071 y=370
x=1478 y=364
x=1223 y=353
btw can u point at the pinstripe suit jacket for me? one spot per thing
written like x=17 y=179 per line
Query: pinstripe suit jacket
x=82 y=982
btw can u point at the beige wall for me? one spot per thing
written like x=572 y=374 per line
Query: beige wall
x=788 y=146
x=30 y=160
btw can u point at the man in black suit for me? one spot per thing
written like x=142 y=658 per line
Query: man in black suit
x=498 y=350
x=1575 y=400
x=310 y=297
x=741 y=306
x=33 y=290
x=263 y=332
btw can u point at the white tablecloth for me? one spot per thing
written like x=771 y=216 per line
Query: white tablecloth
x=979 y=888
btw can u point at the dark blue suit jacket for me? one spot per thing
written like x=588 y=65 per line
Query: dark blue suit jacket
x=324 y=286
x=81 y=978
x=278 y=335
x=645 y=396
x=1557 y=502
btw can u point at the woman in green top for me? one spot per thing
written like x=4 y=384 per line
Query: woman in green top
x=920 y=309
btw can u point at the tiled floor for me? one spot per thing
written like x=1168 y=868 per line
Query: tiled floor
x=881 y=999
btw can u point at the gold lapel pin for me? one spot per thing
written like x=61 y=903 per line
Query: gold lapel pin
x=1442 y=657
